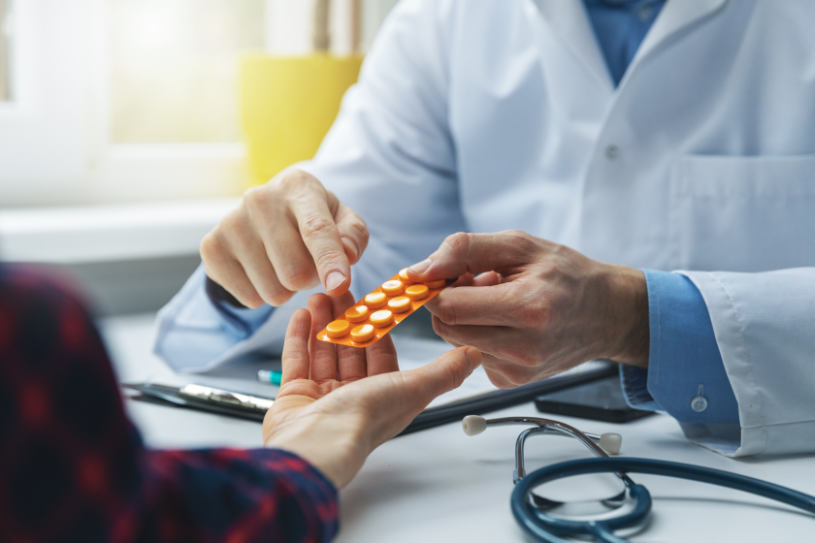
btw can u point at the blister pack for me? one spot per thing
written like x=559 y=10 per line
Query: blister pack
x=379 y=311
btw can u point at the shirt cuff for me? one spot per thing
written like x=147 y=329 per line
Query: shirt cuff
x=685 y=375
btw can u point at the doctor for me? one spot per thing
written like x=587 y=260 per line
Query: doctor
x=617 y=142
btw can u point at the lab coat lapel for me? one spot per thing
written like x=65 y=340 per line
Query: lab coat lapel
x=571 y=23
x=675 y=16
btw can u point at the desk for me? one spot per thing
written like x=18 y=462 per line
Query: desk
x=440 y=485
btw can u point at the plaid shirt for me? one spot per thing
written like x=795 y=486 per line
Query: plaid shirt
x=74 y=468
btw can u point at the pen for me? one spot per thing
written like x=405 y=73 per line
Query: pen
x=270 y=376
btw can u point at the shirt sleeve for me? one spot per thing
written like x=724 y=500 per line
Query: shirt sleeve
x=196 y=332
x=75 y=468
x=236 y=495
x=685 y=376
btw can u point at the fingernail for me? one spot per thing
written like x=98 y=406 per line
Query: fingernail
x=420 y=267
x=334 y=280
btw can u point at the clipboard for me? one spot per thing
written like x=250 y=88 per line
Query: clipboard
x=253 y=407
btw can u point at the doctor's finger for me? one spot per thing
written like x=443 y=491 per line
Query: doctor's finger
x=499 y=341
x=252 y=256
x=293 y=266
x=295 y=348
x=353 y=232
x=323 y=354
x=504 y=374
x=224 y=269
x=488 y=362
x=485 y=279
x=475 y=253
x=314 y=213
x=491 y=305
x=228 y=272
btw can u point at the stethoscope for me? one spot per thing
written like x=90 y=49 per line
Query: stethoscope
x=531 y=510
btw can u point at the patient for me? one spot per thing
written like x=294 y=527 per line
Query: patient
x=74 y=468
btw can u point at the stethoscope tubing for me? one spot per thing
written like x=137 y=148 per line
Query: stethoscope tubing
x=544 y=527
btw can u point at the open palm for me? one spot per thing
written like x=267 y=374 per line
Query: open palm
x=337 y=403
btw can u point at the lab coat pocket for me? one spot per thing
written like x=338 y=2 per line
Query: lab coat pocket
x=743 y=213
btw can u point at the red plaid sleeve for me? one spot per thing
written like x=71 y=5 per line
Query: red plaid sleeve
x=74 y=468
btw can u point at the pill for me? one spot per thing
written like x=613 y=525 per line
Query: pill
x=417 y=292
x=375 y=300
x=400 y=304
x=393 y=287
x=357 y=313
x=437 y=283
x=381 y=318
x=403 y=276
x=362 y=333
x=337 y=328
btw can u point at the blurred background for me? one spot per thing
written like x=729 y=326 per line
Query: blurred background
x=124 y=125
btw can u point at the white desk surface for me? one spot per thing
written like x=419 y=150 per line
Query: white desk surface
x=441 y=485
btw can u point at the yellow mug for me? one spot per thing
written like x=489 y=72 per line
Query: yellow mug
x=287 y=106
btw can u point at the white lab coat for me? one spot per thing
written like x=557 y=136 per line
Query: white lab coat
x=493 y=114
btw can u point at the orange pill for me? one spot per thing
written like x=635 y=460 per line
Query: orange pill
x=400 y=304
x=437 y=283
x=417 y=292
x=393 y=287
x=362 y=333
x=357 y=313
x=337 y=328
x=375 y=299
x=381 y=318
x=403 y=275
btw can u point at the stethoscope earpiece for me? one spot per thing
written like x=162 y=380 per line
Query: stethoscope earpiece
x=473 y=424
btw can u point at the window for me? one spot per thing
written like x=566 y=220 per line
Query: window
x=127 y=100
x=173 y=68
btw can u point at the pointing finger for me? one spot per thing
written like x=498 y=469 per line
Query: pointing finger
x=315 y=221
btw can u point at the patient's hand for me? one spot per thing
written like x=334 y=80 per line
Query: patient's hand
x=337 y=404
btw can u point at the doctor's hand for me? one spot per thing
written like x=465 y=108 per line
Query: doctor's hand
x=287 y=235
x=535 y=308
x=337 y=404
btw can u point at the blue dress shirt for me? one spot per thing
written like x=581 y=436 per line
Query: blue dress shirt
x=620 y=26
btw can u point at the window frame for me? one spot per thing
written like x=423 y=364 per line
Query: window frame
x=55 y=148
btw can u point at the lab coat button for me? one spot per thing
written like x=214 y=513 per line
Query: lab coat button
x=612 y=152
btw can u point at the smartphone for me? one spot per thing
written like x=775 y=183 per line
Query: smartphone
x=601 y=399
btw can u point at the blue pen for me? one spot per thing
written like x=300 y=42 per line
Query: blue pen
x=270 y=376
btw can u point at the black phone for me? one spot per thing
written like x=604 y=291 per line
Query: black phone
x=601 y=399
